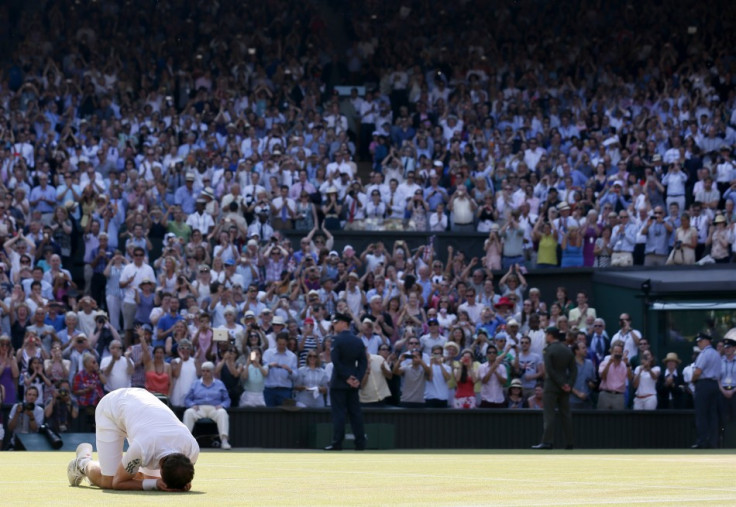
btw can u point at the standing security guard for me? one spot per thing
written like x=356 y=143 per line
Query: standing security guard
x=706 y=373
x=349 y=362
x=560 y=372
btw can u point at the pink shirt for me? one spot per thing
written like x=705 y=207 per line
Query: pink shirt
x=616 y=378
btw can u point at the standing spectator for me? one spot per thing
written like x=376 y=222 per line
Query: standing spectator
x=560 y=372
x=657 y=232
x=586 y=379
x=43 y=198
x=252 y=379
x=466 y=375
x=208 y=397
x=493 y=375
x=349 y=360
x=116 y=367
x=645 y=383
x=229 y=371
x=131 y=278
x=623 y=238
x=310 y=384
x=528 y=367
x=578 y=316
x=462 y=207
x=727 y=380
x=436 y=389
x=184 y=371
x=88 y=386
x=671 y=384
x=9 y=372
x=615 y=371
x=628 y=336
x=374 y=389
x=572 y=247
x=415 y=372
x=686 y=241
x=282 y=365
x=113 y=292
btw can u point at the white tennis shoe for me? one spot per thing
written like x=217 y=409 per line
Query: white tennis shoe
x=75 y=471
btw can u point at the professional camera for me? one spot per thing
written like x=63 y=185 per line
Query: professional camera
x=28 y=406
x=51 y=436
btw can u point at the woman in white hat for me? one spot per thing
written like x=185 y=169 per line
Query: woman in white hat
x=671 y=384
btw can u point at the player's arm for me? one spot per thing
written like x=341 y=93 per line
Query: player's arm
x=124 y=480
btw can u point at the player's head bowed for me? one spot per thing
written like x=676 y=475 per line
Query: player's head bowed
x=177 y=470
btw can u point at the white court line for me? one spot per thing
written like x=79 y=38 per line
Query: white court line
x=395 y=474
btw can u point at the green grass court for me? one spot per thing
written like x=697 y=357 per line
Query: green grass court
x=523 y=478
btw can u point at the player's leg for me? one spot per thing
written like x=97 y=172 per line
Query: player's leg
x=75 y=470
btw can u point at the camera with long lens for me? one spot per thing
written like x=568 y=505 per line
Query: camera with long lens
x=52 y=437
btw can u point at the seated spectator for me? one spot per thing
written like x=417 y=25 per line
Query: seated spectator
x=208 y=397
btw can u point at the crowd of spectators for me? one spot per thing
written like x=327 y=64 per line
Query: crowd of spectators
x=165 y=172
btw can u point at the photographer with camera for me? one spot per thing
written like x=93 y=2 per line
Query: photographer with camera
x=615 y=370
x=103 y=335
x=416 y=370
x=62 y=408
x=25 y=417
x=657 y=232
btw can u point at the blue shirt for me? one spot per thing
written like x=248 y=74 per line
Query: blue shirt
x=657 y=240
x=279 y=377
x=38 y=193
x=167 y=321
x=214 y=394
x=186 y=199
x=709 y=363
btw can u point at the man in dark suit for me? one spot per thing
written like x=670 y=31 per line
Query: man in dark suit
x=559 y=377
x=349 y=362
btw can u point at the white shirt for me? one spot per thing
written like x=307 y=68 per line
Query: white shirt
x=202 y=222
x=137 y=275
x=118 y=378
